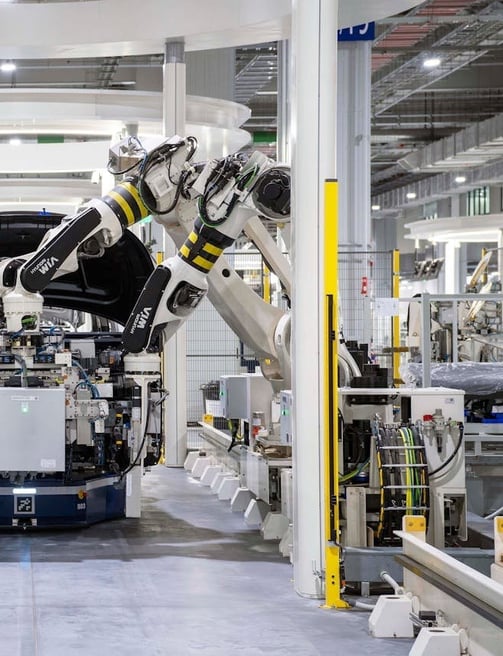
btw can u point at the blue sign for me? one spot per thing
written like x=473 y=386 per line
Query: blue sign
x=363 y=32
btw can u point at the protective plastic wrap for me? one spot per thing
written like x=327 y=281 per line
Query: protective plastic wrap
x=475 y=378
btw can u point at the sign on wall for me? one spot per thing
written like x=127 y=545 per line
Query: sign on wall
x=363 y=32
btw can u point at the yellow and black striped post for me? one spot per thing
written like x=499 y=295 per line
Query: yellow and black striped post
x=332 y=550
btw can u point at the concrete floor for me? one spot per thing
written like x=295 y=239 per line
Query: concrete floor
x=188 y=578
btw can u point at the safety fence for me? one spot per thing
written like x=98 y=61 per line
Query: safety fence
x=365 y=292
x=365 y=286
x=213 y=349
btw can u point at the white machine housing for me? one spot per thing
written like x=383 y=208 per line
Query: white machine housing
x=243 y=394
x=448 y=488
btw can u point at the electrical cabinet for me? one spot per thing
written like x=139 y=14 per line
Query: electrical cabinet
x=33 y=429
x=243 y=394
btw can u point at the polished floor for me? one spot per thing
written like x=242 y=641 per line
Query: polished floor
x=187 y=578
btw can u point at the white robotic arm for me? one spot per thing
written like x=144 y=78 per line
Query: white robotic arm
x=228 y=192
x=220 y=195
x=98 y=225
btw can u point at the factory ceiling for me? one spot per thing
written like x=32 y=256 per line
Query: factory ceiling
x=426 y=122
x=435 y=125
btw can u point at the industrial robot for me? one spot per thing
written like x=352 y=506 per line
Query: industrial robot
x=220 y=196
x=83 y=444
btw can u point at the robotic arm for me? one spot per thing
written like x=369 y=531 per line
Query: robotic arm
x=228 y=192
x=223 y=194
x=98 y=225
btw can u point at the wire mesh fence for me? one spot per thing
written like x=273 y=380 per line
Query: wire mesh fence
x=365 y=276
x=213 y=349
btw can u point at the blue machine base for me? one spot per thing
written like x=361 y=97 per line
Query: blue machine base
x=49 y=503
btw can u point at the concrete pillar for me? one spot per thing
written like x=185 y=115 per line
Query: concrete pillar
x=451 y=267
x=463 y=268
x=500 y=259
x=313 y=92
x=174 y=361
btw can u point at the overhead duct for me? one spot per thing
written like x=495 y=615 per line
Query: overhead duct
x=438 y=186
x=475 y=146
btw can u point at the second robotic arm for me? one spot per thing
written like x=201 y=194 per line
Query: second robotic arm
x=228 y=193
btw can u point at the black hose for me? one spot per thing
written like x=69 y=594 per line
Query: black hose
x=453 y=454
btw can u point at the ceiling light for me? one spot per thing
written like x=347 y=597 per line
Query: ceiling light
x=411 y=195
x=431 y=62
x=375 y=208
x=460 y=179
x=8 y=67
x=15 y=141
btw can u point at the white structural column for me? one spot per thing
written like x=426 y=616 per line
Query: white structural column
x=284 y=75
x=353 y=172
x=500 y=258
x=175 y=350
x=353 y=143
x=451 y=268
x=314 y=52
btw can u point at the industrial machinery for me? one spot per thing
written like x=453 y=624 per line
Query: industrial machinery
x=407 y=452
x=102 y=425
x=402 y=452
x=464 y=351
x=72 y=427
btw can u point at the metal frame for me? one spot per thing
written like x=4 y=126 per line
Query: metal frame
x=425 y=301
x=461 y=595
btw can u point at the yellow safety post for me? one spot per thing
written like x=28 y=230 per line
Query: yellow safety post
x=396 y=320
x=331 y=452
x=266 y=286
x=484 y=274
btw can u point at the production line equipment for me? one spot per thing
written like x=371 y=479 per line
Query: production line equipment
x=401 y=452
x=77 y=432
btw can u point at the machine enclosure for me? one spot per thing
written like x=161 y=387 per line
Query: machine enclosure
x=33 y=429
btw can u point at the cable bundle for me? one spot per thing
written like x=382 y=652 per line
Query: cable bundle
x=403 y=477
x=163 y=155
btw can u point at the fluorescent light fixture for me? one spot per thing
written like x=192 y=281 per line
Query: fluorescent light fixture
x=8 y=67
x=15 y=141
x=24 y=490
x=411 y=195
x=266 y=93
x=375 y=208
x=460 y=179
x=432 y=62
